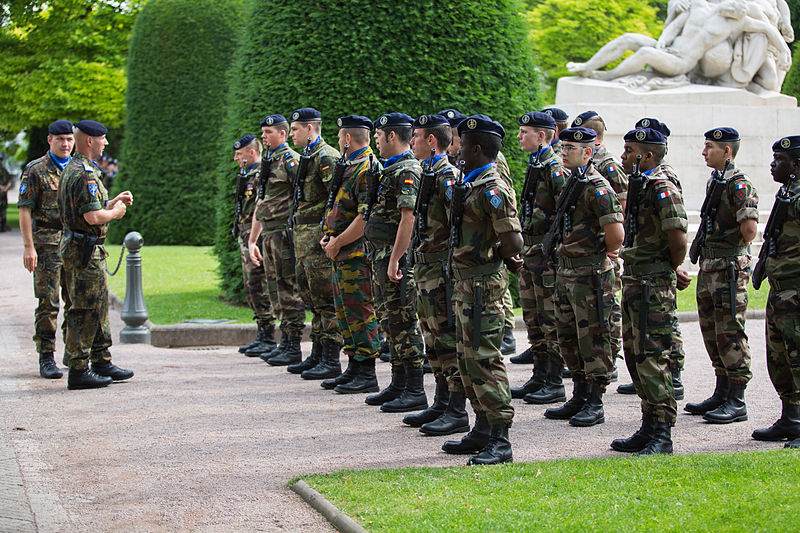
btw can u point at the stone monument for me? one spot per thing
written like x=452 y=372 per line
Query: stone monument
x=716 y=63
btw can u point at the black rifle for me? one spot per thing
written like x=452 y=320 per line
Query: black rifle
x=769 y=248
x=241 y=183
x=636 y=184
x=336 y=182
x=427 y=184
x=532 y=174
x=300 y=182
x=459 y=194
x=708 y=213
x=566 y=200
x=373 y=178
x=266 y=173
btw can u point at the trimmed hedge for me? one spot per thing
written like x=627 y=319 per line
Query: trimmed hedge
x=369 y=58
x=179 y=53
x=791 y=85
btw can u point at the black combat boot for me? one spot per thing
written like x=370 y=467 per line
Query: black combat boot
x=497 y=451
x=472 y=442
x=109 y=369
x=786 y=427
x=453 y=420
x=661 y=441
x=639 y=440
x=264 y=343
x=363 y=381
x=47 y=366
x=580 y=393
x=627 y=388
x=733 y=408
x=592 y=412
x=309 y=362
x=386 y=351
x=717 y=398
x=441 y=399
x=509 y=344
x=290 y=352
x=553 y=389
x=535 y=382
x=412 y=398
x=677 y=384
x=348 y=374
x=393 y=391
x=525 y=358
x=793 y=443
x=328 y=366
x=86 y=379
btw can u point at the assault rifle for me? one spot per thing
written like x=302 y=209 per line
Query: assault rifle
x=336 y=181
x=708 y=213
x=566 y=200
x=769 y=248
x=300 y=183
x=457 y=198
x=266 y=172
x=241 y=183
x=427 y=183
x=636 y=184
x=373 y=177
x=532 y=174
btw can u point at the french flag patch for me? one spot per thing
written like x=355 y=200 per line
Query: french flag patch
x=663 y=195
x=292 y=163
x=740 y=186
x=602 y=192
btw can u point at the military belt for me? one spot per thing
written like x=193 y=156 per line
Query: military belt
x=784 y=284
x=576 y=262
x=647 y=268
x=430 y=257
x=532 y=240
x=47 y=225
x=479 y=270
x=271 y=226
x=79 y=237
x=307 y=220
x=710 y=252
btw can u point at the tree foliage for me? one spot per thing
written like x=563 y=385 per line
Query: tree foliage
x=370 y=58
x=791 y=85
x=180 y=50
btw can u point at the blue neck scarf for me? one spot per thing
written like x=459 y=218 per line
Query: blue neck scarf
x=395 y=158
x=435 y=160
x=355 y=155
x=60 y=162
x=275 y=150
x=478 y=171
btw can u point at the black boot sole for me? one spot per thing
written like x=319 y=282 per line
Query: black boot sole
x=313 y=377
x=586 y=423
x=542 y=400
x=740 y=418
x=446 y=431
x=405 y=408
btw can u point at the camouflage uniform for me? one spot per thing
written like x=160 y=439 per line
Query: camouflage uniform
x=649 y=274
x=38 y=190
x=255 y=282
x=537 y=279
x=677 y=356
x=88 y=334
x=724 y=335
x=489 y=210
x=508 y=301
x=5 y=179
x=397 y=190
x=783 y=307
x=313 y=268
x=276 y=241
x=430 y=257
x=352 y=287
x=584 y=338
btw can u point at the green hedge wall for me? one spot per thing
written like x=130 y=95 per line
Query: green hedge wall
x=369 y=58
x=179 y=53
x=791 y=85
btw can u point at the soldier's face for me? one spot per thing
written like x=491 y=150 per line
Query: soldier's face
x=574 y=155
x=382 y=143
x=300 y=132
x=343 y=140
x=783 y=166
x=240 y=155
x=628 y=157
x=714 y=154
x=468 y=153
x=96 y=146
x=61 y=145
x=272 y=137
x=455 y=144
x=530 y=139
x=420 y=145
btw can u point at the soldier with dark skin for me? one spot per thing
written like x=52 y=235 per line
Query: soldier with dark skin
x=782 y=267
x=40 y=225
x=85 y=213
x=6 y=180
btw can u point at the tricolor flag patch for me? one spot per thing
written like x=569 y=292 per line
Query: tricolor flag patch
x=602 y=192
x=663 y=195
x=741 y=191
x=740 y=186
x=449 y=183
x=292 y=163
x=92 y=185
x=494 y=198
x=325 y=167
x=612 y=168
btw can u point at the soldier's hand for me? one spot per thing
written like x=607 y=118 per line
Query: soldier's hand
x=513 y=263
x=255 y=254
x=126 y=197
x=394 y=271
x=119 y=210
x=613 y=255
x=683 y=279
x=29 y=258
x=331 y=248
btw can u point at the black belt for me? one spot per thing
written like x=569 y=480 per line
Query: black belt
x=307 y=220
x=77 y=236
x=48 y=225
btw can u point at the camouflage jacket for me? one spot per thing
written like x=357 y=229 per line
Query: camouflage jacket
x=350 y=202
x=38 y=190
x=5 y=175
x=80 y=191
x=543 y=209
x=318 y=179
x=273 y=210
x=667 y=170
x=503 y=170
x=250 y=198
x=786 y=264
x=660 y=209
x=611 y=170
x=437 y=230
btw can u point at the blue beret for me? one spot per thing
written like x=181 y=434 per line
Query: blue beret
x=645 y=136
x=722 y=135
x=271 y=120
x=453 y=116
x=584 y=117
x=91 y=127
x=787 y=143
x=354 y=121
x=481 y=123
x=577 y=135
x=431 y=121
x=653 y=124
x=558 y=114
x=305 y=114
x=60 y=127
x=537 y=119
x=244 y=141
x=393 y=120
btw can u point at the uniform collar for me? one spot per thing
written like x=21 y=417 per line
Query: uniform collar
x=478 y=171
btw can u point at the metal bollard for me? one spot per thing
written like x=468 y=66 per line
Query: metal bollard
x=134 y=311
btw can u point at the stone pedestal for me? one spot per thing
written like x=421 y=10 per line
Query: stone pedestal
x=689 y=112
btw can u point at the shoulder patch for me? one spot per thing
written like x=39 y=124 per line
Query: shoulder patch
x=91 y=184
x=87 y=167
x=603 y=197
x=495 y=200
x=23 y=187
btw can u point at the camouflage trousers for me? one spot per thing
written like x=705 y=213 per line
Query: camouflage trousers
x=355 y=308
x=647 y=313
x=47 y=281
x=396 y=309
x=783 y=343
x=315 y=283
x=508 y=307
x=722 y=327
x=88 y=333
x=536 y=291
x=584 y=332
x=439 y=333
x=483 y=373
x=278 y=253
x=256 y=291
x=616 y=314
x=677 y=356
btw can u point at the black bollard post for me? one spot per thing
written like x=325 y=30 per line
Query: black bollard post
x=134 y=311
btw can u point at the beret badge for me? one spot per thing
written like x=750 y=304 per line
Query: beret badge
x=549 y=112
x=578 y=121
x=270 y=121
x=645 y=123
x=237 y=145
x=641 y=135
x=578 y=135
x=785 y=143
x=450 y=114
x=526 y=119
x=717 y=134
x=472 y=124
x=384 y=120
x=339 y=123
x=295 y=115
x=423 y=119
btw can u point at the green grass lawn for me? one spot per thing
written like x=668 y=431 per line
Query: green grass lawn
x=752 y=491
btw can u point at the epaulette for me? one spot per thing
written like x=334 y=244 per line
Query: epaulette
x=87 y=167
x=30 y=163
x=598 y=182
x=287 y=155
x=449 y=170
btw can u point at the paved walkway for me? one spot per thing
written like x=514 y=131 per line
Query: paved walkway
x=206 y=439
